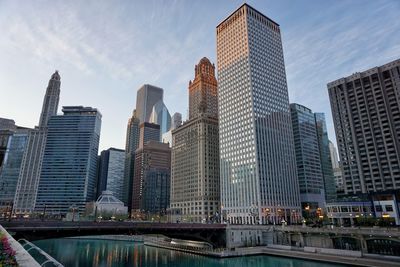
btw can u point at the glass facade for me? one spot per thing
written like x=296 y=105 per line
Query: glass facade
x=147 y=96
x=257 y=160
x=68 y=175
x=111 y=172
x=160 y=115
x=309 y=169
x=9 y=172
x=325 y=155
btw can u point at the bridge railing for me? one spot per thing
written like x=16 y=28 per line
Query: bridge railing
x=28 y=246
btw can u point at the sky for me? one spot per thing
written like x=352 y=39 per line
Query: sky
x=105 y=50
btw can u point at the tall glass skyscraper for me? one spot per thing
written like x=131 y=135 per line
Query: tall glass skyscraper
x=147 y=96
x=111 y=172
x=160 y=115
x=68 y=175
x=31 y=165
x=9 y=171
x=257 y=160
x=309 y=169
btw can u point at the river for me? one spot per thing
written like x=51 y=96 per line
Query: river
x=86 y=252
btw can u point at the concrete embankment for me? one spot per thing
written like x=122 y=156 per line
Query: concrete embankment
x=23 y=258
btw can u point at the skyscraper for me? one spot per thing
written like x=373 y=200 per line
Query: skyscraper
x=203 y=97
x=68 y=173
x=258 y=166
x=111 y=172
x=366 y=114
x=176 y=120
x=148 y=132
x=326 y=162
x=337 y=170
x=151 y=181
x=147 y=96
x=195 y=190
x=309 y=168
x=131 y=144
x=29 y=175
x=160 y=115
x=9 y=171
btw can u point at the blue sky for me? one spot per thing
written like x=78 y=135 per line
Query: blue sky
x=105 y=50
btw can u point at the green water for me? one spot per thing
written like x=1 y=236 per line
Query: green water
x=85 y=252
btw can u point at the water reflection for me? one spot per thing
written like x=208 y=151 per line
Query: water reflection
x=82 y=253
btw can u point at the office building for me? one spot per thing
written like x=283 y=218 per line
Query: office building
x=366 y=114
x=147 y=96
x=111 y=172
x=151 y=181
x=160 y=115
x=325 y=156
x=195 y=190
x=309 y=169
x=203 y=97
x=28 y=181
x=9 y=171
x=337 y=171
x=257 y=166
x=131 y=144
x=148 y=132
x=176 y=120
x=68 y=173
x=7 y=128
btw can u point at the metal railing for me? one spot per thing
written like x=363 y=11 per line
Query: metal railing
x=48 y=259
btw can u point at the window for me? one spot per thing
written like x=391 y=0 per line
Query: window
x=378 y=208
x=389 y=207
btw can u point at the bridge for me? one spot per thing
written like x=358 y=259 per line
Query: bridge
x=35 y=230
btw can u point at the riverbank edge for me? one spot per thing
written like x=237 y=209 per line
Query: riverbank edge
x=257 y=251
x=23 y=258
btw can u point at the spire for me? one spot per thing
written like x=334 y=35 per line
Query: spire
x=51 y=99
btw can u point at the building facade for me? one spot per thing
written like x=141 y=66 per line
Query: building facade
x=203 y=97
x=28 y=181
x=195 y=186
x=111 y=172
x=337 y=170
x=258 y=166
x=148 y=132
x=325 y=156
x=366 y=114
x=9 y=171
x=152 y=177
x=131 y=144
x=309 y=169
x=147 y=96
x=68 y=174
x=160 y=115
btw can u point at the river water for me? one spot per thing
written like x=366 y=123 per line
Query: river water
x=86 y=252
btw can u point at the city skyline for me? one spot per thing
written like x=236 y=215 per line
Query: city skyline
x=104 y=66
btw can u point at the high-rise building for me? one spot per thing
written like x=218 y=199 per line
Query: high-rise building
x=203 y=97
x=366 y=114
x=68 y=173
x=131 y=144
x=337 y=171
x=195 y=152
x=309 y=169
x=326 y=162
x=147 y=96
x=111 y=172
x=148 y=132
x=7 y=124
x=160 y=115
x=151 y=181
x=9 y=171
x=175 y=123
x=258 y=166
x=176 y=120
x=28 y=181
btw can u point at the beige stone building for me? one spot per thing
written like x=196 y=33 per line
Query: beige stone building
x=195 y=191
